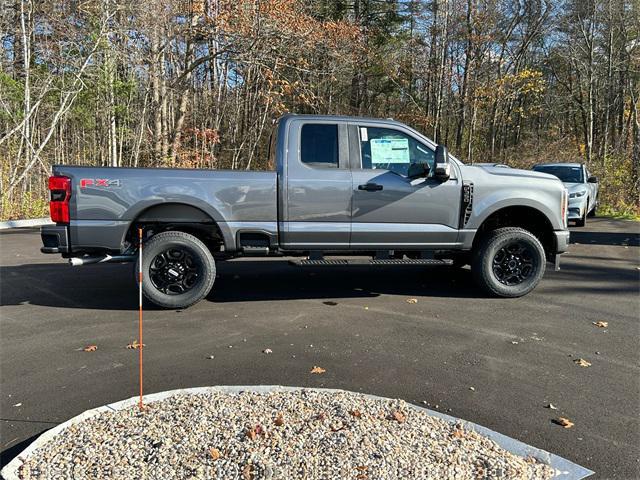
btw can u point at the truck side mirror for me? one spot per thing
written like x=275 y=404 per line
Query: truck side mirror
x=592 y=179
x=442 y=168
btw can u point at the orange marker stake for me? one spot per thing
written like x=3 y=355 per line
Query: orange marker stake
x=140 y=313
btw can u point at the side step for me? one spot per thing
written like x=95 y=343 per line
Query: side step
x=390 y=261
x=259 y=251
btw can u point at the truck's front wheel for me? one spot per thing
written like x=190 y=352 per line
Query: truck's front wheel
x=178 y=270
x=509 y=262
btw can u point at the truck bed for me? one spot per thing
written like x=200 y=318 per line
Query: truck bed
x=104 y=201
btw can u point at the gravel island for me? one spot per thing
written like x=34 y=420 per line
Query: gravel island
x=301 y=434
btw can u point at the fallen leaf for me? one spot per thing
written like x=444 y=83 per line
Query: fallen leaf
x=318 y=370
x=247 y=472
x=412 y=300
x=362 y=476
x=513 y=342
x=279 y=421
x=90 y=348
x=601 y=324
x=472 y=389
x=337 y=427
x=135 y=345
x=251 y=433
x=356 y=413
x=267 y=351
x=563 y=422
x=582 y=362
x=551 y=406
x=458 y=433
x=18 y=404
x=362 y=468
x=215 y=453
x=331 y=304
x=398 y=416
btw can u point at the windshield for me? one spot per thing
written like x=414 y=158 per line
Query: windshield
x=565 y=173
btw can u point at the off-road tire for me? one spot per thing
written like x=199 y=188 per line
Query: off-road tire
x=482 y=265
x=199 y=254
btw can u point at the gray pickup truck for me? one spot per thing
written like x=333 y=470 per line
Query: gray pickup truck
x=341 y=190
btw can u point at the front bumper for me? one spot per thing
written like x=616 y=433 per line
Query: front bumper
x=562 y=240
x=55 y=239
x=577 y=207
x=562 y=245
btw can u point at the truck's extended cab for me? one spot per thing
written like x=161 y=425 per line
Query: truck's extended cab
x=339 y=185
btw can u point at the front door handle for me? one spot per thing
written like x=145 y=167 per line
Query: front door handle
x=370 y=187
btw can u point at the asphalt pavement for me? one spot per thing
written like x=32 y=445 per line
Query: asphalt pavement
x=353 y=321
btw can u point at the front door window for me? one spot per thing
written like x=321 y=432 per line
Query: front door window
x=392 y=150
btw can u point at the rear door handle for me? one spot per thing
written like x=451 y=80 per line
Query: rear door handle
x=370 y=187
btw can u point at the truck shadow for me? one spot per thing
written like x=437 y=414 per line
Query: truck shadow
x=112 y=287
x=255 y=280
x=605 y=238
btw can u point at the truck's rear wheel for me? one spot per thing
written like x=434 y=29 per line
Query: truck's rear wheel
x=509 y=262
x=178 y=270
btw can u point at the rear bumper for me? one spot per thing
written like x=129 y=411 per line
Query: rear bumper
x=562 y=240
x=55 y=239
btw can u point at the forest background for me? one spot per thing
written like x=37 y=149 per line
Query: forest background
x=199 y=83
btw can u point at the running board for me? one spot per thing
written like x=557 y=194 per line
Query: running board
x=390 y=261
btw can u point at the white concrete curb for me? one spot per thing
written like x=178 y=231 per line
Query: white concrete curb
x=34 y=222
x=565 y=469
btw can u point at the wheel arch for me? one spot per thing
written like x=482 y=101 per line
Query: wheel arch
x=527 y=217
x=204 y=223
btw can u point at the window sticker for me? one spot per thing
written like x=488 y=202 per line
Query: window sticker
x=389 y=150
x=364 y=136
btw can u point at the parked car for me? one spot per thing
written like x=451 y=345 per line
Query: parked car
x=582 y=187
x=340 y=185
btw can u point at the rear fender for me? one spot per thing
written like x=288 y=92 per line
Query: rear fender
x=182 y=210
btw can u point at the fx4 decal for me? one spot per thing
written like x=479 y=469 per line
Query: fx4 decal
x=99 y=182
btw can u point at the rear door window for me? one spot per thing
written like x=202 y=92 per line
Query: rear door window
x=319 y=145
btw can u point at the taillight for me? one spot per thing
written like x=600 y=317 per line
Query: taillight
x=60 y=188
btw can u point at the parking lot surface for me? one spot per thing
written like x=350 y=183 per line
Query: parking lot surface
x=496 y=362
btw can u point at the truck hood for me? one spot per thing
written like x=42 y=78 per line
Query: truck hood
x=518 y=173
x=574 y=187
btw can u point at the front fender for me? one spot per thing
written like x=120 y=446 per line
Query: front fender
x=492 y=203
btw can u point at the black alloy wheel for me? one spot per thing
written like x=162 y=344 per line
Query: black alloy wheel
x=175 y=271
x=508 y=262
x=178 y=269
x=513 y=263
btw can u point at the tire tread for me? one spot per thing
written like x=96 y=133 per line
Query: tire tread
x=481 y=275
x=209 y=267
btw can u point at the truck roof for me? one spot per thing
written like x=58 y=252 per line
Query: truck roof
x=338 y=118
